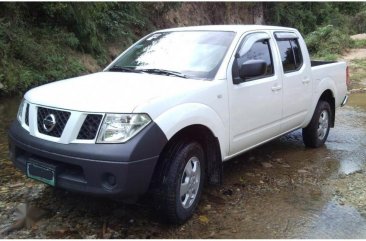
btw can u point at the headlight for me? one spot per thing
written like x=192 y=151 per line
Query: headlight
x=20 y=111
x=118 y=128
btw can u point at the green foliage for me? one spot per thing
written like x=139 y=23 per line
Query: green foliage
x=349 y=8
x=38 y=40
x=359 y=43
x=359 y=22
x=307 y=16
x=327 y=42
x=29 y=59
x=357 y=70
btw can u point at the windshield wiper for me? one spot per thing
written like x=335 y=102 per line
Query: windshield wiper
x=164 y=71
x=124 y=69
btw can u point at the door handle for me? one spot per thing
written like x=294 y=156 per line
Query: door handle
x=306 y=81
x=276 y=88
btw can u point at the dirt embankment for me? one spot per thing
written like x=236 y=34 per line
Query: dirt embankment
x=356 y=60
x=214 y=13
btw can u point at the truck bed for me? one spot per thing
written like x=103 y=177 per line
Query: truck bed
x=320 y=62
x=334 y=70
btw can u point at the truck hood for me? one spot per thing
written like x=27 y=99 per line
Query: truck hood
x=112 y=92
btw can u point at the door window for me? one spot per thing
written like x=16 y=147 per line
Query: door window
x=291 y=55
x=260 y=50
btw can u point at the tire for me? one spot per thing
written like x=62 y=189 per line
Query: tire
x=183 y=182
x=316 y=133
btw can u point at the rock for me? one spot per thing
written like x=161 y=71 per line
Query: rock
x=278 y=160
x=19 y=184
x=266 y=164
x=94 y=236
x=207 y=207
x=203 y=219
x=227 y=192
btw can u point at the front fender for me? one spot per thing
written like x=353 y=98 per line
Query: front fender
x=175 y=119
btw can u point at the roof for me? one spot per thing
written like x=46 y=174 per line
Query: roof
x=233 y=28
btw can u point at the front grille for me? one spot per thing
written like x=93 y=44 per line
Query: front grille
x=27 y=115
x=61 y=118
x=90 y=127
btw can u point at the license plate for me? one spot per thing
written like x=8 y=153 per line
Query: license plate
x=41 y=172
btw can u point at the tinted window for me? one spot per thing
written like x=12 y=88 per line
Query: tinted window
x=297 y=53
x=290 y=54
x=287 y=56
x=259 y=51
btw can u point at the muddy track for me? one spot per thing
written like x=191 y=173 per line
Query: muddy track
x=353 y=54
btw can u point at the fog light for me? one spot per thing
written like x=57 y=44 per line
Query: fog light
x=109 y=180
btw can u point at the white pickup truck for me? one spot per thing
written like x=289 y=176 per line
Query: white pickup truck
x=170 y=109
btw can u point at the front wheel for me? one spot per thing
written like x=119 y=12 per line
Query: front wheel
x=183 y=182
x=316 y=133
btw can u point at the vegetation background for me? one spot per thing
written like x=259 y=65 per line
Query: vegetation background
x=42 y=42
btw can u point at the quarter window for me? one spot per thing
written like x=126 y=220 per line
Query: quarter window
x=259 y=51
x=291 y=55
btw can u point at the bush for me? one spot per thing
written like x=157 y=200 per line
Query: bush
x=359 y=22
x=38 y=40
x=359 y=43
x=327 y=41
x=30 y=57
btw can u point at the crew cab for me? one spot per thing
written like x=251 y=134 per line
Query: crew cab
x=166 y=113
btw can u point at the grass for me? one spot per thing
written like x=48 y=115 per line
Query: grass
x=359 y=43
x=326 y=57
x=357 y=71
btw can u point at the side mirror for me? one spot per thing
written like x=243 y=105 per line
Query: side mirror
x=252 y=68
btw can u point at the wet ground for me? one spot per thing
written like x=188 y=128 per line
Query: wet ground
x=279 y=190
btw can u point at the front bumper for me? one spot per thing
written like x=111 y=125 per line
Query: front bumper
x=104 y=169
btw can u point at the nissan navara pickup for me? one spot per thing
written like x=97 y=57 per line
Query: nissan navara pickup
x=167 y=112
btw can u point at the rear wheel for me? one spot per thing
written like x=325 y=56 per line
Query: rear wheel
x=316 y=133
x=183 y=182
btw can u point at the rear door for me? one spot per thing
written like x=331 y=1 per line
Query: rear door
x=255 y=104
x=297 y=84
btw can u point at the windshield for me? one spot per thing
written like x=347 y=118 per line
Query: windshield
x=193 y=54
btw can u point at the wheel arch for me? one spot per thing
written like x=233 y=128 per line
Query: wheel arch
x=328 y=96
x=325 y=90
x=186 y=115
x=210 y=143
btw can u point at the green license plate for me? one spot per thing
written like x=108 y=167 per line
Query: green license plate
x=41 y=172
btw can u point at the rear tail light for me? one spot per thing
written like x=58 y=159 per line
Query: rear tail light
x=348 y=80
